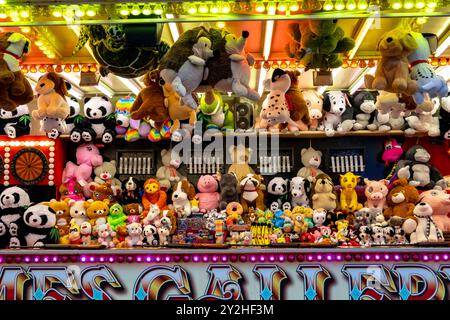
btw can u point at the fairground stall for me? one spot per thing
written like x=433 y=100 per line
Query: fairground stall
x=224 y=149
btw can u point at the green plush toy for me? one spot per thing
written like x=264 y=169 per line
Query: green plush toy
x=214 y=113
x=116 y=216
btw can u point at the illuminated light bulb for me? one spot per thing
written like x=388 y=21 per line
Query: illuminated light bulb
x=50 y=68
x=57 y=12
x=214 y=8
x=420 y=4
x=371 y=64
x=340 y=5
x=435 y=62
x=275 y=65
x=146 y=11
x=24 y=13
x=25 y=29
x=409 y=4
x=422 y=20
x=90 y=12
x=33 y=69
x=283 y=65
x=85 y=68
x=220 y=25
x=76 y=68
x=51 y=56
x=79 y=12
x=266 y=65
x=281 y=7
x=203 y=8
x=24 y=69
x=39 y=43
x=362 y=64
x=260 y=7
x=443 y=62
x=158 y=10
x=362 y=5
x=225 y=8
x=124 y=11
x=432 y=4
x=293 y=6
x=3 y=14
x=271 y=8
x=2 y=2
x=300 y=65
x=67 y=68
x=345 y=64
x=135 y=11
x=192 y=9
x=42 y=69
x=427 y=9
x=58 y=68
x=397 y=4
x=13 y=13
x=93 y=68
x=351 y=4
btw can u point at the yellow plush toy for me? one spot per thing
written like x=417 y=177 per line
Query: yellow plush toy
x=349 y=198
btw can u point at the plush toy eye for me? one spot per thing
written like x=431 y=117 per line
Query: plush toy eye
x=370 y=189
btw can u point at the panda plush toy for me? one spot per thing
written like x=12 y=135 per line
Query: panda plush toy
x=277 y=194
x=75 y=116
x=101 y=121
x=417 y=170
x=13 y=202
x=38 y=227
x=15 y=123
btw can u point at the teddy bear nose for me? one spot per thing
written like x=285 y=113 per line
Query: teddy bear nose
x=42 y=85
x=422 y=204
x=389 y=40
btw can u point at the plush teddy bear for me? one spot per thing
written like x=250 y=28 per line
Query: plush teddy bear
x=339 y=113
x=78 y=212
x=133 y=212
x=62 y=213
x=153 y=195
x=323 y=194
x=240 y=158
x=439 y=200
x=392 y=72
x=15 y=90
x=311 y=160
x=401 y=201
x=72 y=190
x=88 y=156
x=276 y=108
x=106 y=235
x=314 y=102
x=427 y=230
x=132 y=130
x=429 y=85
x=135 y=236
x=167 y=174
x=105 y=173
x=97 y=211
x=101 y=192
x=184 y=65
x=238 y=61
x=208 y=196
x=417 y=170
x=214 y=113
x=15 y=123
x=228 y=189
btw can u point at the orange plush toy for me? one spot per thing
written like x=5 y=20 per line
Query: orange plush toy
x=153 y=195
x=52 y=101
x=392 y=72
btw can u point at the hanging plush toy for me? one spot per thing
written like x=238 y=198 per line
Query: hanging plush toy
x=132 y=130
x=53 y=108
x=101 y=118
x=184 y=65
x=214 y=113
x=15 y=90
x=429 y=85
x=15 y=123
x=392 y=72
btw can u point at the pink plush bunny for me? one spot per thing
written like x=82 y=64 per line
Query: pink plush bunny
x=208 y=195
x=88 y=156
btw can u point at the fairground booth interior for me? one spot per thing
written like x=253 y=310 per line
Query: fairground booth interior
x=224 y=149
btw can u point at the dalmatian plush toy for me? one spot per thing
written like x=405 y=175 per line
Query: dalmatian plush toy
x=339 y=113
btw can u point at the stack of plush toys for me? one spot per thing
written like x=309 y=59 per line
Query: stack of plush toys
x=238 y=207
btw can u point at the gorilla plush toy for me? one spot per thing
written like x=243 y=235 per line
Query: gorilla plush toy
x=416 y=169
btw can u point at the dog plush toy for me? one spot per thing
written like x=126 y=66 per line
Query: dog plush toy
x=339 y=113
x=251 y=193
x=182 y=195
x=427 y=230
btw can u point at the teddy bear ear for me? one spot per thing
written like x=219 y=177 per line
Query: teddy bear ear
x=303 y=151
x=106 y=201
x=86 y=100
x=409 y=42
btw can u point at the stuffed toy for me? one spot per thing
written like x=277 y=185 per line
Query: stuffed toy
x=116 y=217
x=401 y=201
x=429 y=85
x=62 y=212
x=208 y=196
x=105 y=173
x=78 y=212
x=88 y=156
x=323 y=194
x=153 y=195
x=75 y=117
x=74 y=236
x=132 y=130
x=240 y=158
x=276 y=108
x=184 y=65
x=228 y=189
x=339 y=113
x=131 y=191
x=364 y=106
x=444 y=115
x=52 y=91
x=300 y=224
x=183 y=193
x=38 y=227
x=106 y=235
x=151 y=216
x=97 y=211
x=427 y=122
x=150 y=233
x=314 y=102
x=13 y=203
x=15 y=123
x=72 y=190
x=102 y=192
x=167 y=174
x=299 y=111
x=239 y=63
x=15 y=90
x=234 y=212
x=349 y=198
x=391 y=111
x=214 y=113
x=311 y=160
x=439 y=201
x=133 y=212
x=277 y=197
x=101 y=119
x=417 y=170
x=251 y=192
x=299 y=190
x=392 y=72
x=427 y=230
x=376 y=192
x=135 y=236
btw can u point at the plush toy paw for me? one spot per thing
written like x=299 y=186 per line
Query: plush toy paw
x=189 y=101
x=403 y=172
x=329 y=132
x=178 y=87
x=410 y=132
x=379 y=83
x=154 y=135
x=414 y=183
x=399 y=85
x=409 y=226
x=359 y=126
x=238 y=88
x=384 y=127
x=197 y=139
x=132 y=135
x=53 y=134
x=11 y=132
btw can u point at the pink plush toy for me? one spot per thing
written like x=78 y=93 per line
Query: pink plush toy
x=88 y=156
x=439 y=200
x=376 y=192
x=208 y=196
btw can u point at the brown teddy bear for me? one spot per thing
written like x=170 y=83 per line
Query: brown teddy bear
x=240 y=157
x=401 y=201
x=15 y=89
x=392 y=72
x=150 y=101
x=323 y=194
